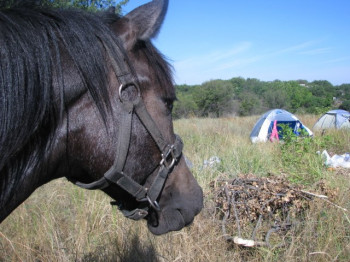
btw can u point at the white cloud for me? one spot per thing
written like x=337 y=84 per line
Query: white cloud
x=243 y=59
x=213 y=57
x=317 y=51
x=296 y=47
x=337 y=60
x=198 y=69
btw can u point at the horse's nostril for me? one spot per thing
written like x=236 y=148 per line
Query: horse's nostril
x=153 y=219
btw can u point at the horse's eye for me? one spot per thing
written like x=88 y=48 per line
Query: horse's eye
x=169 y=104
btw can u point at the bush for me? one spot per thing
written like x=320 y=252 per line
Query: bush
x=345 y=105
x=299 y=157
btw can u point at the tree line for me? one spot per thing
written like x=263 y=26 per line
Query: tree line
x=237 y=96
x=243 y=97
x=89 y=5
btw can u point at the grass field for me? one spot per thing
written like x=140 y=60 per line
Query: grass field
x=61 y=222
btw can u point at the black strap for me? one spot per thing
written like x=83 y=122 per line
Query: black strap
x=115 y=175
x=159 y=181
x=147 y=121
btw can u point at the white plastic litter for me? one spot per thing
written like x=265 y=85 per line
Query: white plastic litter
x=244 y=242
x=336 y=160
x=211 y=162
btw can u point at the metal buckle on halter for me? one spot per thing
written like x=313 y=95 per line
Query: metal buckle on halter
x=169 y=158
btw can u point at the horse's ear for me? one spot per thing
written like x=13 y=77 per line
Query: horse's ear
x=143 y=23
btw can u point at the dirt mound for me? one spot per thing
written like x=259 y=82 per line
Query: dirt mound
x=252 y=209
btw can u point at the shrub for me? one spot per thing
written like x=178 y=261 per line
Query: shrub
x=299 y=157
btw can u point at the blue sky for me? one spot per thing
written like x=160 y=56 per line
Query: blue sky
x=263 y=39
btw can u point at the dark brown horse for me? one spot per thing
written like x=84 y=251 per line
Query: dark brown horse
x=88 y=97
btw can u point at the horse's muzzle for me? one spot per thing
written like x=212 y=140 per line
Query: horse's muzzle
x=176 y=215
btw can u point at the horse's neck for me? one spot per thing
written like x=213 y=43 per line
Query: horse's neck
x=14 y=191
x=17 y=187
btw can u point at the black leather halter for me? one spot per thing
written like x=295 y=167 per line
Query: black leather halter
x=170 y=153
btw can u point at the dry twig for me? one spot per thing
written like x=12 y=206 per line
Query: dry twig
x=265 y=206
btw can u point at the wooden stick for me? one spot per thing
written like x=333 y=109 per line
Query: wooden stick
x=312 y=194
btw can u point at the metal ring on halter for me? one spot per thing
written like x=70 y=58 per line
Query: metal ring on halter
x=169 y=153
x=123 y=87
x=153 y=204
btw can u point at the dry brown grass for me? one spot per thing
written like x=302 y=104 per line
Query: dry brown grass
x=61 y=222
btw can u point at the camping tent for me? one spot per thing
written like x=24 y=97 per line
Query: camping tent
x=333 y=119
x=264 y=126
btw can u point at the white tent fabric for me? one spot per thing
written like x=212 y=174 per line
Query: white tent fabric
x=333 y=119
x=263 y=127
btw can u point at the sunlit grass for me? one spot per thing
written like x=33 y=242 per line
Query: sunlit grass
x=61 y=222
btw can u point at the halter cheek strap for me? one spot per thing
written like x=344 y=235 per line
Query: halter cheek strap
x=170 y=154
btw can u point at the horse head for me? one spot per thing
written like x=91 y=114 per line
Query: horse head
x=124 y=145
x=180 y=198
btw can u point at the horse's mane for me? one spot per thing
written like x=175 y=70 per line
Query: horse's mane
x=32 y=40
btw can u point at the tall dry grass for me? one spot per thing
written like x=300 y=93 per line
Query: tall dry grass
x=61 y=222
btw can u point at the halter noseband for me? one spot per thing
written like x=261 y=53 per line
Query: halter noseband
x=170 y=154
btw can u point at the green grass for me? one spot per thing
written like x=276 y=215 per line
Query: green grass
x=61 y=222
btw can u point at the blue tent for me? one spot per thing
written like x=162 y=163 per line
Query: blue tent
x=263 y=127
x=333 y=119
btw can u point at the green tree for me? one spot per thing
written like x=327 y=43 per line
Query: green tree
x=276 y=98
x=238 y=84
x=214 y=98
x=345 y=105
x=185 y=106
x=299 y=96
x=343 y=91
x=90 y=5
x=322 y=88
x=250 y=104
x=276 y=95
x=252 y=96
